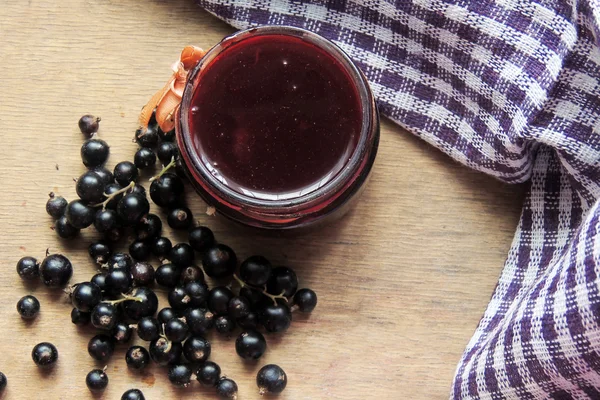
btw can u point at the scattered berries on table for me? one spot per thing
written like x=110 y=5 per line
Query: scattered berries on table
x=44 y=354
x=28 y=307
x=271 y=379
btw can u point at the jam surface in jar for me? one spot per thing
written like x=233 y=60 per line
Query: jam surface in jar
x=275 y=117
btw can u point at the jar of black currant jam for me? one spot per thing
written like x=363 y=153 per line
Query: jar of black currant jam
x=277 y=128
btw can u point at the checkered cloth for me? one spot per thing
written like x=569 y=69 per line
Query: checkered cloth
x=510 y=88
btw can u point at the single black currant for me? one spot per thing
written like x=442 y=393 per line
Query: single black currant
x=283 y=281
x=112 y=189
x=100 y=252
x=120 y=261
x=254 y=296
x=90 y=187
x=196 y=349
x=28 y=268
x=255 y=270
x=148 y=329
x=227 y=388
x=105 y=316
x=106 y=220
x=142 y=303
x=104 y=174
x=100 y=280
x=250 y=345
x=180 y=218
x=79 y=214
x=192 y=273
x=79 y=317
x=56 y=206
x=250 y=321
x=271 y=379
x=182 y=255
x=114 y=235
x=44 y=354
x=3 y=382
x=137 y=357
x=88 y=124
x=218 y=300
x=121 y=333
x=305 y=300
x=28 y=307
x=178 y=298
x=101 y=347
x=208 y=373
x=276 y=318
x=144 y=158
x=219 y=261
x=64 y=229
x=147 y=137
x=96 y=380
x=142 y=274
x=118 y=281
x=148 y=227
x=181 y=169
x=86 y=296
x=180 y=375
x=132 y=207
x=166 y=314
x=166 y=191
x=94 y=152
x=167 y=275
x=161 y=247
x=164 y=352
x=176 y=330
x=239 y=307
x=138 y=189
x=201 y=238
x=224 y=324
x=140 y=250
x=56 y=270
x=197 y=292
x=133 y=394
x=199 y=320
x=166 y=136
x=125 y=172
x=166 y=151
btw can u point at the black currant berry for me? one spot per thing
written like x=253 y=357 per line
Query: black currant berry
x=100 y=280
x=283 y=281
x=227 y=388
x=219 y=261
x=106 y=220
x=105 y=316
x=44 y=354
x=148 y=227
x=166 y=314
x=305 y=300
x=90 y=187
x=176 y=330
x=79 y=317
x=96 y=380
x=254 y=296
x=191 y=274
x=56 y=270
x=239 y=307
x=144 y=305
x=271 y=379
x=224 y=324
x=255 y=270
x=56 y=206
x=125 y=172
x=142 y=274
x=250 y=321
x=118 y=281
x=100 y=252
x=197 y=292
x=199 y=320
x=161 y=247
x=166 y=151
x=132 y=207
x=182 y=255
x=104 y=174
x=3 y=382
x=133 y=394
x=178 y=298
x=137 y=357
x=276 y=318
x=80 y=215
x=94 y=153
x=28 y=268
x=147 y=137
x=148 y=329
x=180 y=375
x=166 y=136
x=64 y=229
x=180 y=218
x=208 y=373
x=250 y=345
x=88 y=124
x=196 y=349
x=140 y=250
x=166 y=191
x=86 y=296
x=122 y=332
x=138 y=189
x=144 y=158
x=120 y=261
x=110 y=190
x=101 y=347
x=218 y=300
x=167 y=275
x=201 y=238
x=164 y=352
x=28 y=307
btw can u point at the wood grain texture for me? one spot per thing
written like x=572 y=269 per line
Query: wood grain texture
x=402 y=280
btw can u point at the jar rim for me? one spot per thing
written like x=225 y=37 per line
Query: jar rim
x=302 y=201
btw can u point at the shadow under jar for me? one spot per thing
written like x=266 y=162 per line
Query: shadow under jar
x=277 y=128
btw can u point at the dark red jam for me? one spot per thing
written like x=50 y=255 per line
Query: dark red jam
x=275 y=117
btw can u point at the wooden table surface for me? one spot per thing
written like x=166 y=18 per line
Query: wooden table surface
x=402 y=280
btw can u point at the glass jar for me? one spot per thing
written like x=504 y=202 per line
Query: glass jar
x=277 y=128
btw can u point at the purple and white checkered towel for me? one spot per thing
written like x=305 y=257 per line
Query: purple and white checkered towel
x=510 y=88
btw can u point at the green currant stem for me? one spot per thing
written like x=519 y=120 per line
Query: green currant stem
x=164 y=170
x=125 y=298
x=263 y=290
x=109 y=197
x=162 y=335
